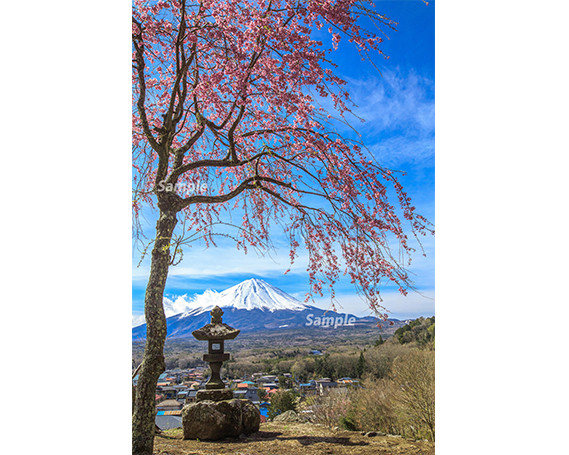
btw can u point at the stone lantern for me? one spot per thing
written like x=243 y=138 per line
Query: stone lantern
x=215 y=333
x=216 y=414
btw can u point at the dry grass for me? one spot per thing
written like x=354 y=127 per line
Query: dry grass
x=291 y=439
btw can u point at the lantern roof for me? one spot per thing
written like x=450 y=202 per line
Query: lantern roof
x=216 y=329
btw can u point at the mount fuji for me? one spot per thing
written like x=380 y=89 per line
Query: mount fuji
x=250 y=306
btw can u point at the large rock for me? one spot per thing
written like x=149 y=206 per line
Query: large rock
x=213 y=420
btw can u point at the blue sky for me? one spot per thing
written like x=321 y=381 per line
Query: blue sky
x=398 y=107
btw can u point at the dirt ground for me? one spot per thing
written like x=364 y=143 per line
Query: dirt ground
x=276 y=438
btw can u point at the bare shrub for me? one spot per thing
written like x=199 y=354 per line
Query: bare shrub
x=414 y=376
x=403 y=402
x=379 y=359
x=373 y=407
x=329 y=408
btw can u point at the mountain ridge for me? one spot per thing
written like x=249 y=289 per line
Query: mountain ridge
x=250 y=306
x=249 y=294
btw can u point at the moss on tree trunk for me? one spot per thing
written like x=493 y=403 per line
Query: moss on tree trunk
x=153 y=364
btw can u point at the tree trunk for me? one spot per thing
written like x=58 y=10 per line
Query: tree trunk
x=153 y=364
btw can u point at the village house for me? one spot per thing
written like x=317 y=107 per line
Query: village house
x=267 y=378
x=269 y=391
x=308 y=388
x=168 y=392
x=169 y=405
x=349 y=382
x=191 y=396
x=246 y=385
x=163 y=380
x=169 y=414
x=182 y=395
x=324 y=384
x=247 y=394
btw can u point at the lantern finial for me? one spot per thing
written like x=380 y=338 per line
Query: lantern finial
x=216 y=314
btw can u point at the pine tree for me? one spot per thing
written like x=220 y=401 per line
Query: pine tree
x=360 y=367
x=379 y=341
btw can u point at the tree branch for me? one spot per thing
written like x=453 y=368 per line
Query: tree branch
x=139 y=48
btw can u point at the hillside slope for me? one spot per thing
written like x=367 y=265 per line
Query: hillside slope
x=285 y=438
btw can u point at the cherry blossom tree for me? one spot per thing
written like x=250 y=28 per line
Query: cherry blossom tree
x=226 y=103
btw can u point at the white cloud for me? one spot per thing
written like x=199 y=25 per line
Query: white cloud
x=390 y=104
x=222 y=261
x=399 y=306
x=399 y=114
x=176 y=306
x=138 y=319
x=400 y=118
x=400 y=149
x=394 y=102
x=179 y=304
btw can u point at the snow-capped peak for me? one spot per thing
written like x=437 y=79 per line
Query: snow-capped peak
x=249 y=295
x=258 y=294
